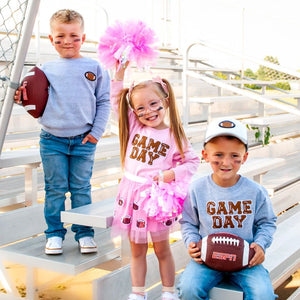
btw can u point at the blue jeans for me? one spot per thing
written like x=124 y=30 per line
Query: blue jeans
x=196 y=281
x=68 y=166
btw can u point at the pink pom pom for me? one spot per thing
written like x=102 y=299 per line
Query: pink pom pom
x=128 y=41
x=164 y=200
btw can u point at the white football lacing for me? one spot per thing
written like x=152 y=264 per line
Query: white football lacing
x=225 y=240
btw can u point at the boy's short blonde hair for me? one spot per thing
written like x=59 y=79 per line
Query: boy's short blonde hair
x=66 y=16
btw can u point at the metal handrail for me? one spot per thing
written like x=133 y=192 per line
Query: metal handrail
x=260 y=98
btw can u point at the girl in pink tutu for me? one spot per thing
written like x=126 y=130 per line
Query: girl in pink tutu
x=158 y=164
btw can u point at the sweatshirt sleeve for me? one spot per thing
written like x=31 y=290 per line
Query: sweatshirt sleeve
x=187 y=167
x=190 y=220
x=102 y=105
x=265 y=221
x=116 y=87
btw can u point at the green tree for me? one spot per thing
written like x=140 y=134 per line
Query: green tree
x=220 y=75
x=250 y=74
x=266 y=73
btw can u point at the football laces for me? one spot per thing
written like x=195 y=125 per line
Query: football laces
x=225 y=240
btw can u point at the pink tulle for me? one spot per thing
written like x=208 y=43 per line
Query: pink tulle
x=164 y=200
x=128 y=41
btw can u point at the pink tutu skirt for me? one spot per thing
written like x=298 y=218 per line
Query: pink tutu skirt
x=147 y=209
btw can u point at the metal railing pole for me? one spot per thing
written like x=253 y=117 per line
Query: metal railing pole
x=22 y=48
x=185 y=89
x=185 y=92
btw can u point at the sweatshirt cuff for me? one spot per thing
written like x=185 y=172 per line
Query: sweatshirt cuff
x=261 y=244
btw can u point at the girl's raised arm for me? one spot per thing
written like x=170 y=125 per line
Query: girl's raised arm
x=117 y=86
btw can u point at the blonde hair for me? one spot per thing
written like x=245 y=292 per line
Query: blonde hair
x=67 y=16
x=125 y=104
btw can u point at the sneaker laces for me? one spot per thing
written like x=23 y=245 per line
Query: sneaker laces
x=87 y=242
x=54 y=242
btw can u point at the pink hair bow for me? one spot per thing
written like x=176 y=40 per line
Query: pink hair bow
x=163 y=85
x=155 y=79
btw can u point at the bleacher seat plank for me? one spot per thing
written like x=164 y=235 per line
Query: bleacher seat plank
x=277 y=120
x=104 y=193
x=21 y=223
x=31 y=252
x=283 y=257
x=19 y=158
x=22 y=241
x=98 y=214
x=286 y=197
x=295 y=295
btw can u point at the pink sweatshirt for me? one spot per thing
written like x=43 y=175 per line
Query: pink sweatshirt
x=150 y=150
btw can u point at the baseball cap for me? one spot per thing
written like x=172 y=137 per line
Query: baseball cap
x=226 y=126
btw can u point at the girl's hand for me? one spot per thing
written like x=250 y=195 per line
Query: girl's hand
x=165 y=176
x=258 y=257
x=195 y=252
x=120 y=71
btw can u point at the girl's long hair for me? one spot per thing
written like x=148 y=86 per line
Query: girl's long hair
x=123 y=124
x=125 y=104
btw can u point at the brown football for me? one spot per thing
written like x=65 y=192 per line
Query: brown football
x=225 y=252
x=35 y=93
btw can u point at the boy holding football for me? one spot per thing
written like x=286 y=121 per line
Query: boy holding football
x=74 y=119
x=216 y=203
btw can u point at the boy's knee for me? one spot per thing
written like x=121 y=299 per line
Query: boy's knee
x=190 y=289
x=260 y=292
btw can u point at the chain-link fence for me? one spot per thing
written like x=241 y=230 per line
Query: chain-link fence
x=12 y=16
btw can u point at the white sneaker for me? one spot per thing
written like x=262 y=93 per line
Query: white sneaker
x=169 y=296
x=54 y=245
x=137 y=297
x=87 y=245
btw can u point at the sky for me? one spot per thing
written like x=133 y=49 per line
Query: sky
x=256 y=28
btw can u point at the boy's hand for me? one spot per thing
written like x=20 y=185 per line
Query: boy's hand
x=165 y=176
x=195 y=252
x=120 y=71
x=258 y=257
x=18 y=95
x=89 y=138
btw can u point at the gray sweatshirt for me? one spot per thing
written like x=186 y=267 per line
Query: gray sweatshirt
x=244 y=209
x=78 y=97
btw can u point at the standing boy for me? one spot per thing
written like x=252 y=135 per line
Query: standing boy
x=207 y=211
x=74 y=119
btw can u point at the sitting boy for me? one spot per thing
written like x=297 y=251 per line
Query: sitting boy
x=206 y=212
